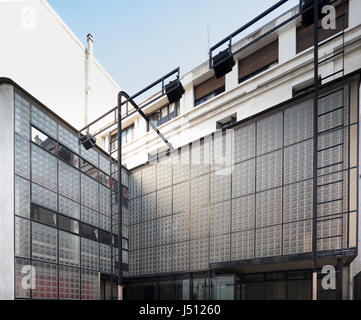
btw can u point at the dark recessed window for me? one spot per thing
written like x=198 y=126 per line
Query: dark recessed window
x=88 y=231
x=127 y=136
x=164 y=114
x=208 y=89
x=89 y=169
x=68 y=224
x=43 y=215
x=258 y=61
x=43 y=140
x=68 y=156
x=105 y=237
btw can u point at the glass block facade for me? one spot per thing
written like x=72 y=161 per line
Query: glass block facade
x=63 y=209
x=187 y=212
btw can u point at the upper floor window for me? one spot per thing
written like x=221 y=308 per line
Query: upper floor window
x=258 y=61
x=164 y=114
x=305 y=36
x=127 y=136
x=208 y=89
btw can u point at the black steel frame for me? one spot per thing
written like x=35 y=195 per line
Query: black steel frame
x=118 y=123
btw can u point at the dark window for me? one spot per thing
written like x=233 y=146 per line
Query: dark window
x=68 y=224
x=127 y=136
x=164 y=114
x=105 y=237
x=43 y=215
x=89 y=169
x=68 y=156
x=258 y=61
x=208 y=89
x=304 y=35
x=43 y=140
x=88 y=231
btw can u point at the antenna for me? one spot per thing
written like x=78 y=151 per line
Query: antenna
x=208 y=36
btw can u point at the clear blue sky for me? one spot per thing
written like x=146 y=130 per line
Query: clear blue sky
x=138 y=41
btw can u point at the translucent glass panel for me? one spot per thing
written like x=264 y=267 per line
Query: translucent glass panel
x=149 y=237
x=164 y=258
x=219 y=249
x=269 y=208
x=89 y=191
x=90 y=216
x=90 y=155
x=199 y=254
x=69 y=182
x=164 y=173
x=22 y=157
x=105 y=258
x=135 y=208
x=20 y=291
x=220 y=186
x=164 y=230
x=220 y=218
x=69 y=283
x=297 y=237
x=200 y=191
x=104 y=164
x=22 y=197
x=243 y=178
x=136 y=262
x=243 y=213
x=22 y=237
x=104 y=200
x=43 y=197
x=164 y=202
x=46 y=281
x=149 y=179
x=89 y=254
x=181 y=165
x=68 y=139
x=22 y=116
x=298 y=122
x=298 y=162
x=181 y=197
x=149 y=211
x=200 y=157
x=44 y=168
x=41 y=120
x=44 y=243
x=269 y=133
x=104 y=222
x=199 y=223
x=268 y=241
x=269 y=171
x=135 y=185
x=69 y=207
x=125 y=179
x=181 y=256
x=242 y=245
x=69 y=249
x=181 y=227
x=149 y=260
x=244 y=143
x=89 y=285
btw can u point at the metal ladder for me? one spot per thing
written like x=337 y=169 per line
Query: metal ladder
x=335 y=168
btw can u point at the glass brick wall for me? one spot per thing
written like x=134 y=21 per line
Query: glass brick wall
x=63 y=209
x=188 y=213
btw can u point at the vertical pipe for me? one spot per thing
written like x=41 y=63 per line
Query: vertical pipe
x=120 y=201
x=315 y=149
x=88 y=61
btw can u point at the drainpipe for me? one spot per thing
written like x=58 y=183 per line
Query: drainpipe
x=88 y=63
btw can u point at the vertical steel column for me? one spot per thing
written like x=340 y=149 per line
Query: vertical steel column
x=120 y=201
x=339 y=278
x=315 y=149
